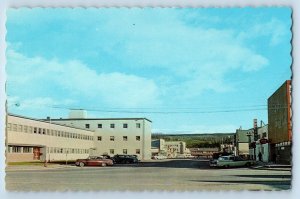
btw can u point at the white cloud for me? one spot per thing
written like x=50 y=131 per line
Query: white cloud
x=40 y=77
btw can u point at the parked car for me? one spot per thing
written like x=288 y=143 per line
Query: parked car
x=231 y=161
x=125 y=159
x=159 y=157
x=94 y=161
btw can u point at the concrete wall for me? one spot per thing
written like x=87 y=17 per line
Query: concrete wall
x=135 y=128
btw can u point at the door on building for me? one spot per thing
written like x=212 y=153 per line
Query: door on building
x=36 y=153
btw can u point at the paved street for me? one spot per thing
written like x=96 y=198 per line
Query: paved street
x=170 y=175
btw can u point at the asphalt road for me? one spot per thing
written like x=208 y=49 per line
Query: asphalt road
x=168 y=175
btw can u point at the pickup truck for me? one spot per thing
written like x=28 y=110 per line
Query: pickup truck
x=231 y=161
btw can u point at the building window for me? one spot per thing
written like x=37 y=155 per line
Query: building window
x=15 y=127
x=112 y=138
x=124 y=151
x=40 y=130
x=138 y=125
x=99 y=126
x=16 y=149
x=87 y=126
x=48 y=132
x=264 y=134
x=111 y=151
x=27 y=149
x=34 y=130
x=112 y=126
x=20 y=128
x=25 y=129
x=8 y=126
x=44 y=131
x=125 y=126
x=138 y=138
x=125 y=138
x=138 y=151
x=29 y=129
x=99 y=138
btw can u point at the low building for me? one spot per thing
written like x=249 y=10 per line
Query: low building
x=30 y=139
x=170 y=149
x=242 y=142
x=204 y=152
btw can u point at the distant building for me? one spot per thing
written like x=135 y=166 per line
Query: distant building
x=204 y=152
x=242 y=142
x=170 y=149
x=280 y=126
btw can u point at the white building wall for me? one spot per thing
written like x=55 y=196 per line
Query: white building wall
x=135 y=127
x=52 y=138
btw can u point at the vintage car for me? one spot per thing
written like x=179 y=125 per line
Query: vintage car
x=159 y=157
x=94 y=161
x=231 y=161
x=125 y=159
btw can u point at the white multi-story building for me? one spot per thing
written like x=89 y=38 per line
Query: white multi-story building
x=31 y=139
x=113 y=136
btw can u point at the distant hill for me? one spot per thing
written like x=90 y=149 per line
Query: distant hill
x=198 y=140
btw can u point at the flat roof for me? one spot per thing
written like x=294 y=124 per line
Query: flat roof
x=46 y=121
x=69 y=119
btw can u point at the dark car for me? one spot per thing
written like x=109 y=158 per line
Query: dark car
x=94 y=161
x=125 y=159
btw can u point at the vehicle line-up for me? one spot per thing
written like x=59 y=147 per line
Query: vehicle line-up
x=106 y=160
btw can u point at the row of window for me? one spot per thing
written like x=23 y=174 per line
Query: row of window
x=112 y=151
x=19 y=149
x=43 y=131
x=67 y=150
x=125 y=138
x=125 y=125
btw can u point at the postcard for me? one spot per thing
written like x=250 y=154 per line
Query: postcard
x=148 y=99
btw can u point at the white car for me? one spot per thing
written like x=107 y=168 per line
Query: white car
x=159 y=157
x=231 y=161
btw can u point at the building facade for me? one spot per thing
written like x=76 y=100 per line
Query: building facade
x=280 y=126
x=29 y=139
x=113 y=136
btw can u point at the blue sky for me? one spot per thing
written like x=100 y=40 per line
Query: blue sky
x=187 y=70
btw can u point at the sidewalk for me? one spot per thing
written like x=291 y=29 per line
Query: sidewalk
x=36 y=167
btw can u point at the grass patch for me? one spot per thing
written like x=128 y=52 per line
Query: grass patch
x=25 y=163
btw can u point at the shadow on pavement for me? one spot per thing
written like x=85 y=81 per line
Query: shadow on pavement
x=279 y=184
x=178 y=163
x=265 y=176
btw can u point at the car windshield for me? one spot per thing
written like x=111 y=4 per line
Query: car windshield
x=223 y=158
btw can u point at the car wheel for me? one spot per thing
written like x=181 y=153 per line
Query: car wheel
x=103 y=164
x=81 y=164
